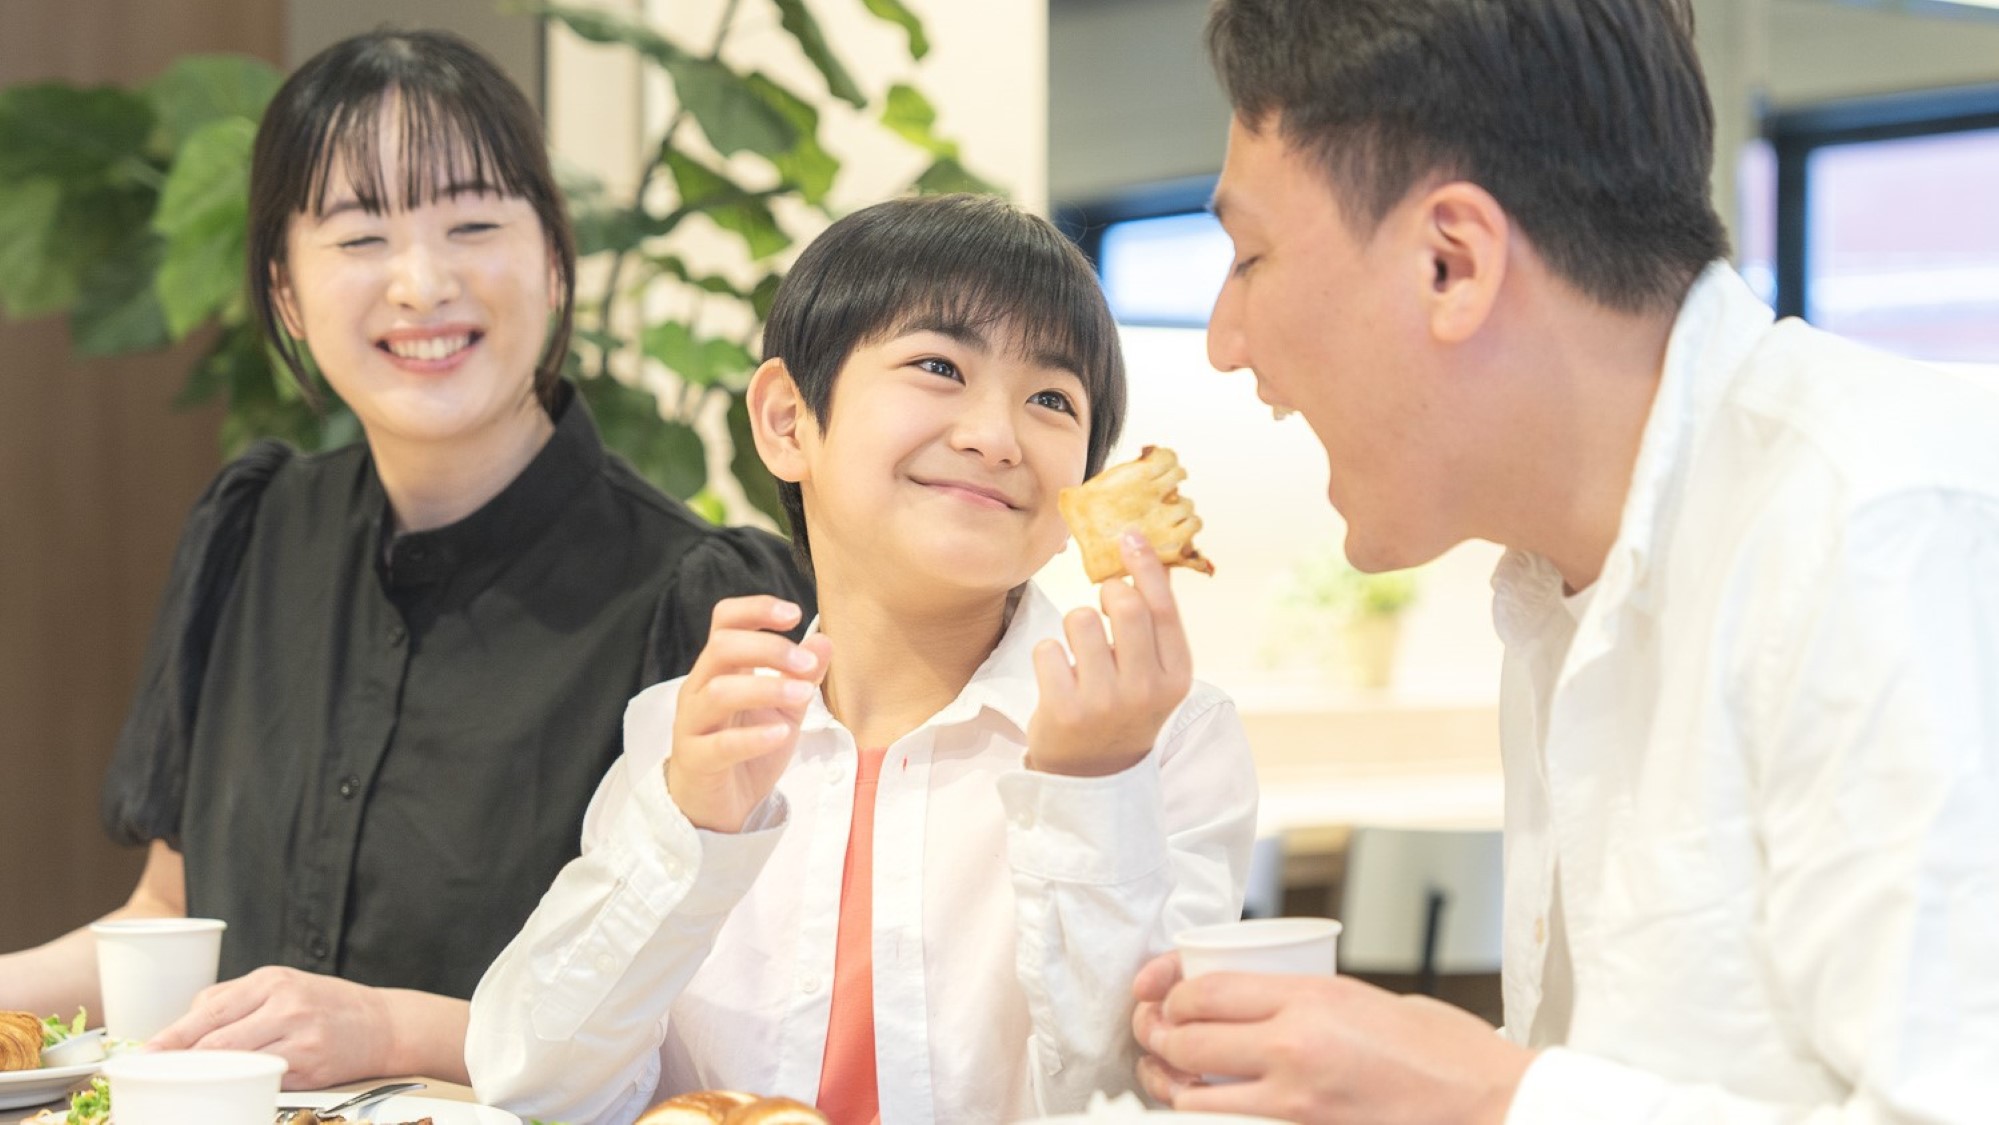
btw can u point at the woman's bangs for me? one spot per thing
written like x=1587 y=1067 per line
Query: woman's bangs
x=442 y=149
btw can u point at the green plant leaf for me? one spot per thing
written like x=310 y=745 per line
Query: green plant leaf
x=598 y=26
x=909 y=115
x=708 y=506
x=799 y=21
x=730 y=207
x=765 y=295
x=808 y=166
x=673 y=266
x=948 y=175
x=32 y=281
x=895 y=12
x=667 y=453
x=204 y=214
x=599 y=231
x=69 y=133
x=704 y=361
x=730 y=113
x=759 y=487
x=201 y=89
x=116 y=311
x=210 y=179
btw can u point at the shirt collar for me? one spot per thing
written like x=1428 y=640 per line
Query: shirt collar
x=1718 y=325
x=1004 y=684
x=572 y=455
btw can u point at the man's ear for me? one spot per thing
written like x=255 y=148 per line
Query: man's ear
x=1465 y=236
x=780 y=421
x=286 y=304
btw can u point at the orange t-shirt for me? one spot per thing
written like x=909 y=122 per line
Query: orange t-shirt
x=848 y=1093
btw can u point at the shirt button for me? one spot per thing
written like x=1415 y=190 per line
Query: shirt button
x=808 y=984
x=606 y=964
x=319 y=949
x=1540 y=930
x=350 y=786
x=397 y=635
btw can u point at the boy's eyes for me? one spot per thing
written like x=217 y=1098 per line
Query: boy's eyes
x=1053 y=400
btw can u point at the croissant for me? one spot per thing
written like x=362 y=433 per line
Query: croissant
x=20 y=1041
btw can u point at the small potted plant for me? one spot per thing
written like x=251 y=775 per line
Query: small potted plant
x=1363 y=612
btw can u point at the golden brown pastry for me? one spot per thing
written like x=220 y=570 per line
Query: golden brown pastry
x=1144 y=494
x=775 y=1111
x=20 y=1041
x=703 y=1107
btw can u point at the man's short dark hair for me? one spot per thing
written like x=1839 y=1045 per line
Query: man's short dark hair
x=943 y=262
x=1588 y=120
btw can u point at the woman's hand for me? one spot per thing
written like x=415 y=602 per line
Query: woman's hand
x=1101 y=714
x=736 y=724
x=329 y=1030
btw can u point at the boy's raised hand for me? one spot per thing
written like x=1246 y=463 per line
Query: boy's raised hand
x=736 y=725
x=1102 y=713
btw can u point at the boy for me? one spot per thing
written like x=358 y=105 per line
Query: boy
x=907 y=875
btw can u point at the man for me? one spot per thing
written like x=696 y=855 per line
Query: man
x=1750 y=707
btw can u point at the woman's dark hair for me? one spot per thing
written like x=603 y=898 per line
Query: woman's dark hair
x=1588 y=120
x=456 y=113
x=943 y=262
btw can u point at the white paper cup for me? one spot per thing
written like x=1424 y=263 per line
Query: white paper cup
x=149 y=970
x=194 y=1087
x=1281 y=946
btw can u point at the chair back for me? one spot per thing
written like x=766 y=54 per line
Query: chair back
x=1423 y=901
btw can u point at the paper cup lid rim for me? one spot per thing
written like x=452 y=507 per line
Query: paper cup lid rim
x=1255 y=932
x=159 y=926
x=192 y=1066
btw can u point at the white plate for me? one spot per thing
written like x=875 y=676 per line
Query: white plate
x=45 y=1084
x=408 y=1108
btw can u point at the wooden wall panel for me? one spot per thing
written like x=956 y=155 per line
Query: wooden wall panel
x=97 y=471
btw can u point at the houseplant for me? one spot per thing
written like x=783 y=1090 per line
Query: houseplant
x=126 y=209
x=1360 y=613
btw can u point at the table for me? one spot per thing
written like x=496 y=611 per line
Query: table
x=434 y=1088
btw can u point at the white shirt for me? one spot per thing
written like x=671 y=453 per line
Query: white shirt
x=1011 y=911
x=1767 y=766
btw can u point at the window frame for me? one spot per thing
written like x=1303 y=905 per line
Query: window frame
x=1795 y=135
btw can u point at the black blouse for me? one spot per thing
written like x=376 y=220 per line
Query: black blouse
x=375 y=769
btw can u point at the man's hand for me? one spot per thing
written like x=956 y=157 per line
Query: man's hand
x=1318 y=1050
x=1100 y=715
x=735 y=726
x=329 y=1030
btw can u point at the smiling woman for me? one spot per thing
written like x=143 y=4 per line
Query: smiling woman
x=387 y=678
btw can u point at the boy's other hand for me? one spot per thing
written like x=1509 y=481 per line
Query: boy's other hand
x=1100 y=714
x=736 y=725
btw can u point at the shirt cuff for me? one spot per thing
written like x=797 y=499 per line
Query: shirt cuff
x=1092 y=830
x=705 y=873
x=1564 y=1087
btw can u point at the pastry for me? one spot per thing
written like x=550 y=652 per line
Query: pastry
x=20 y=1041
x=1142 y=494
x=730 y=1107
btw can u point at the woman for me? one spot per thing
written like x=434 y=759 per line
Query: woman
x=386 y=679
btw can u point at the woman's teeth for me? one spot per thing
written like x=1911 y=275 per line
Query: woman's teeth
x=430 y=348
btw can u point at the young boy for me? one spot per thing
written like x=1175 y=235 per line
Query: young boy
x=905 y=868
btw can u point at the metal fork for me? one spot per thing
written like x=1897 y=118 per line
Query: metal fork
x=360 y=1101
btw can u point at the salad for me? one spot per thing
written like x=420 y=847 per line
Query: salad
x=54 y=1030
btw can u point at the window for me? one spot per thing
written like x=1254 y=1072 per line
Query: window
x=1887 y=228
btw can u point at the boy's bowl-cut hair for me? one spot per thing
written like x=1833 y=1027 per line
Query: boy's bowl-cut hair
x=969 y=260
x=1588 y=120
x=459 y=122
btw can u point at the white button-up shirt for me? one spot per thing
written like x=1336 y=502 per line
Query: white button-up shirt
x=1764 y=765
x=1011 y=910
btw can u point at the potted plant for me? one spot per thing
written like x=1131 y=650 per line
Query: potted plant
x=1361 y=612
x=126 y=209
